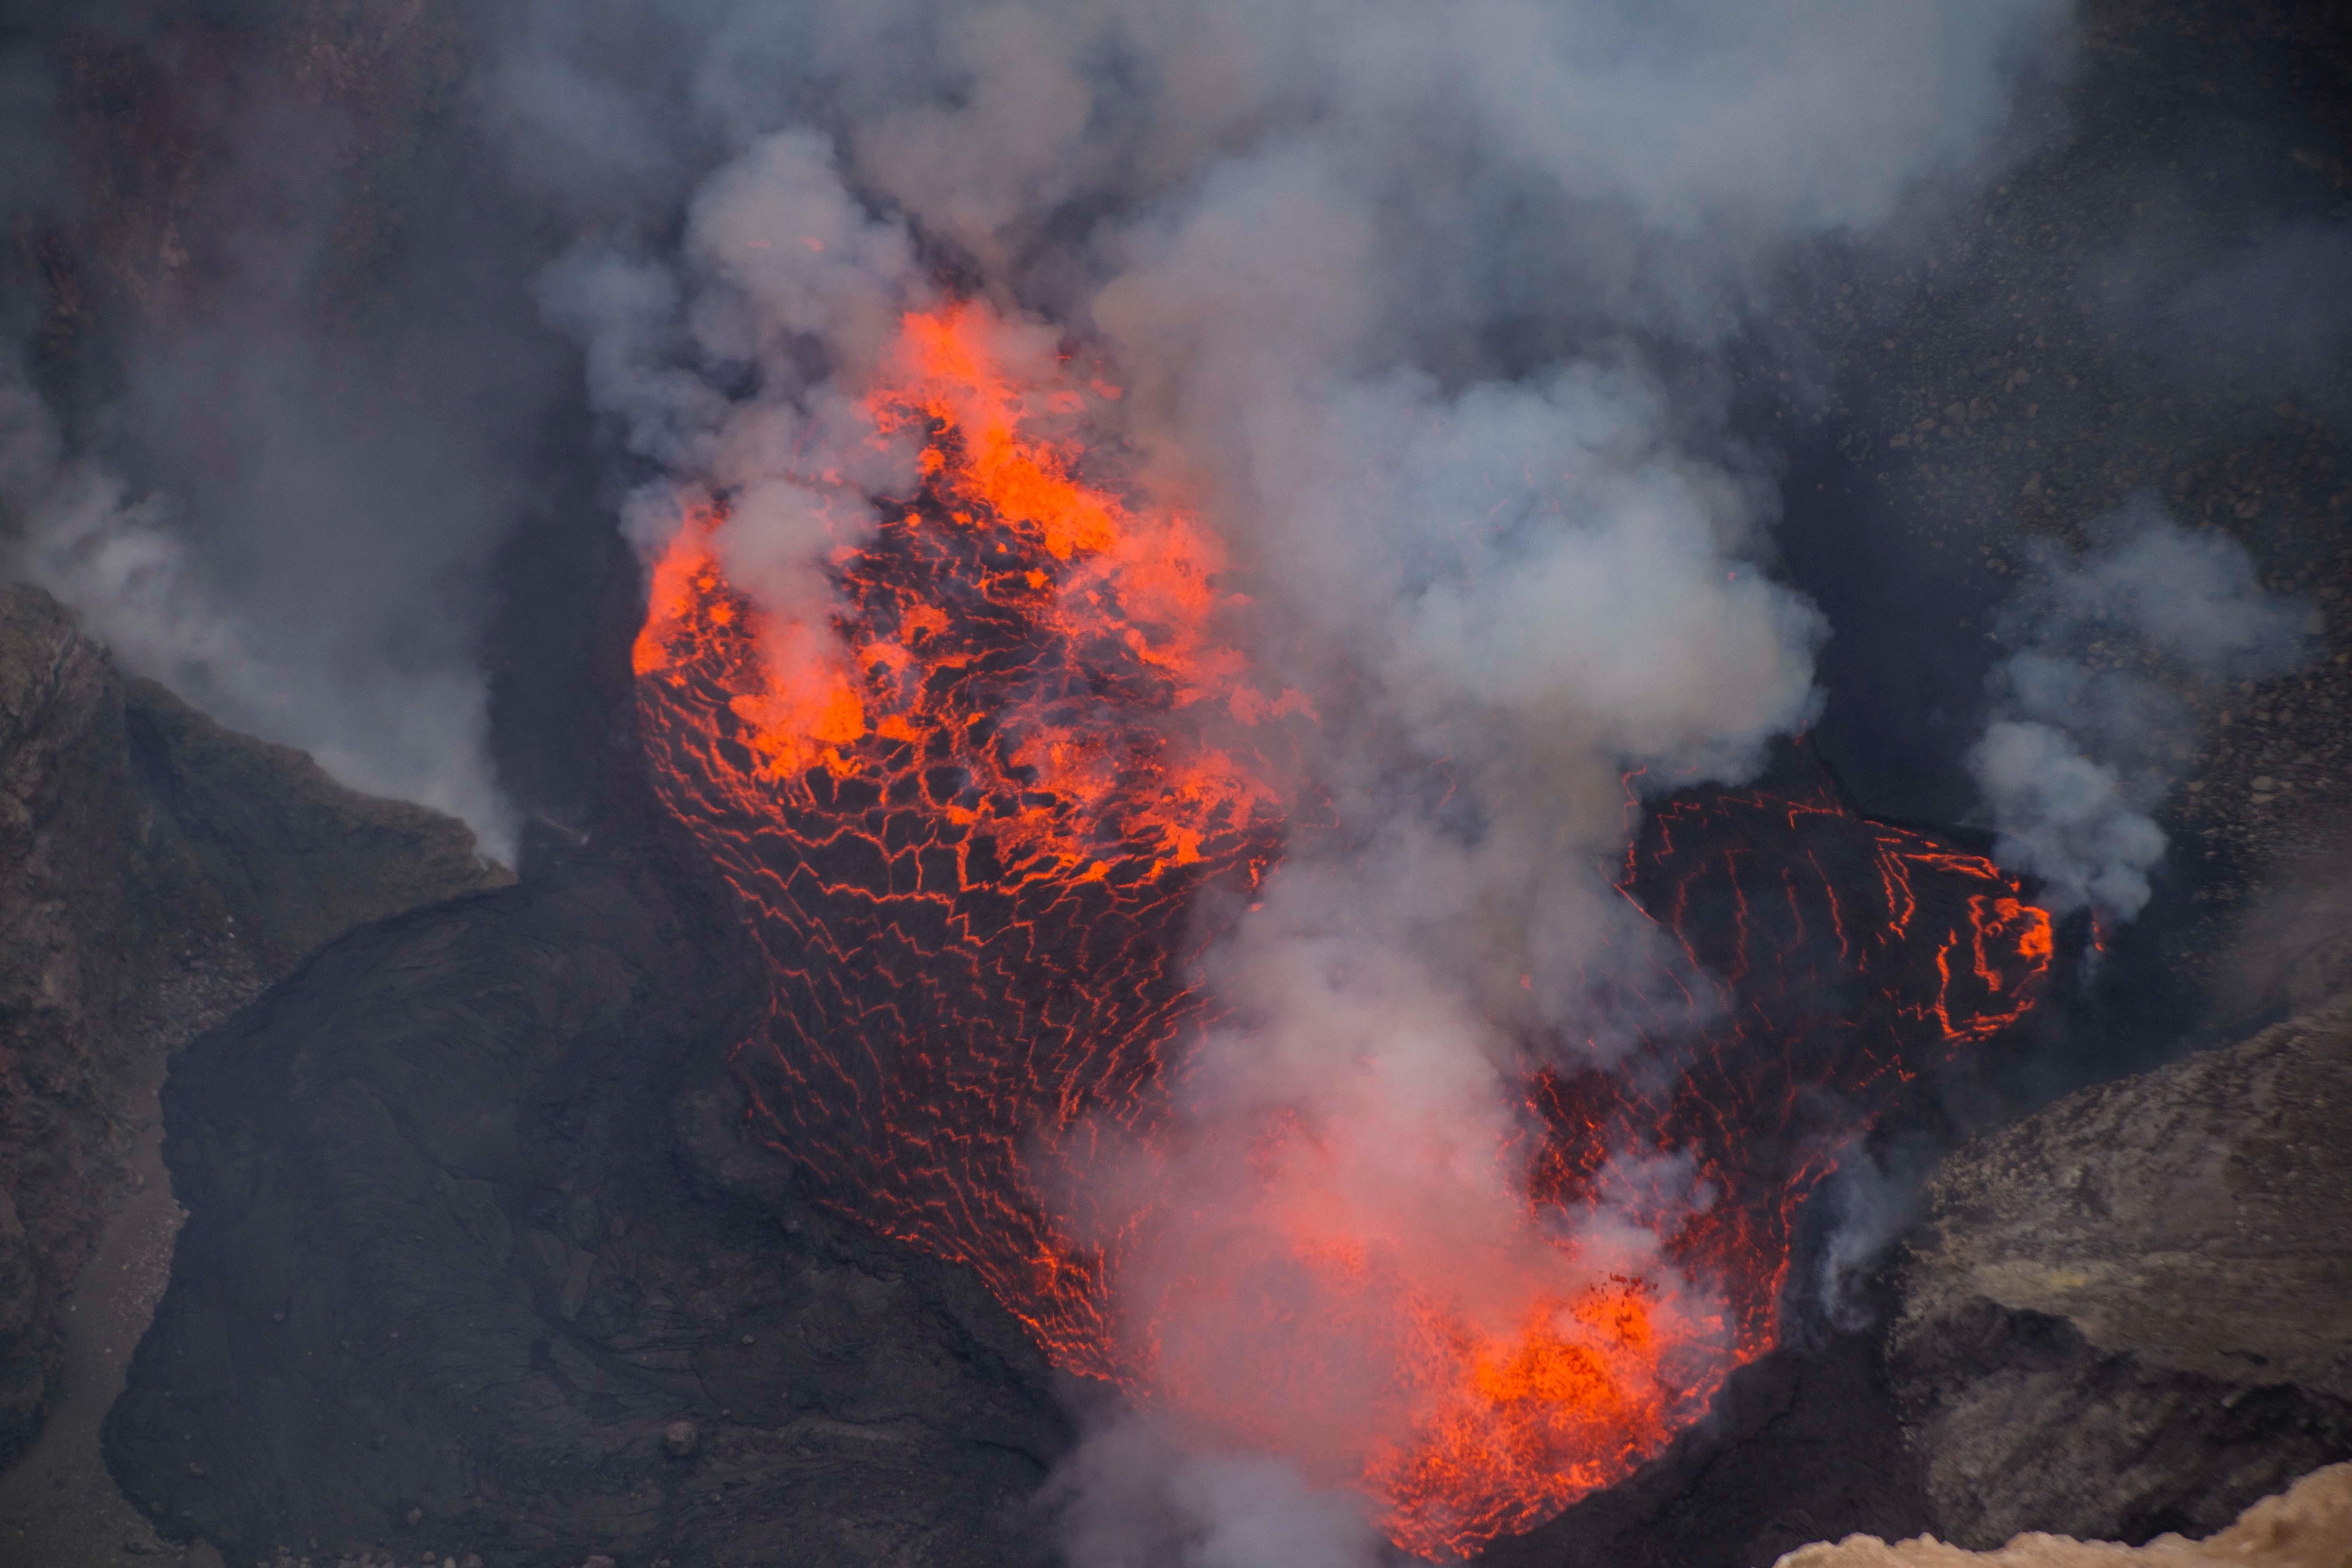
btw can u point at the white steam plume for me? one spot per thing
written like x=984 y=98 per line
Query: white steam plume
x=1416 y=305
x=2085 y=741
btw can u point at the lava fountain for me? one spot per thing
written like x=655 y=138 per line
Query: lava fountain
x=970 y=817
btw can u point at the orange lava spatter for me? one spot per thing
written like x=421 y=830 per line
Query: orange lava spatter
x=966 y=816
x=1584 y=1392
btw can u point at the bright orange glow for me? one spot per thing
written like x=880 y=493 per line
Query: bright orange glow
x=967 y=817
x=1117 y=597
x=1576 y=1399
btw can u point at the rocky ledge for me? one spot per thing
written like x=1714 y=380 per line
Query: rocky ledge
x=156 y=871
x=2126 y=1315
x=2131 y=1313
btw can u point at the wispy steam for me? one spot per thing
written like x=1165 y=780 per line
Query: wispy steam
x=410 y=724
x=1426 y=310
x=1135 y=1496
x=2088 y=730
x=305 y=404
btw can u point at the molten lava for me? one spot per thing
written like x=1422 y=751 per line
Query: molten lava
x=1844 y=955
x=966 y=813
x=966 y=828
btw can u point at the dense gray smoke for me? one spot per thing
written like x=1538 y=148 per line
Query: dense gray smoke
x=287 y=486
x=2089 y=730
x=1420 y=309
x=374 y=683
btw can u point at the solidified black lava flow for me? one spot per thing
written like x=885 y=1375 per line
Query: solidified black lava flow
x=476 y=1262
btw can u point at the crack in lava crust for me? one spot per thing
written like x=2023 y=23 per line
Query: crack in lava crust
x=1843 y=955
x=967 y=822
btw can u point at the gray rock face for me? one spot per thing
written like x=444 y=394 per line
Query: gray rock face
x=156 y=871
x=2132 y=1313
x=478 y=1261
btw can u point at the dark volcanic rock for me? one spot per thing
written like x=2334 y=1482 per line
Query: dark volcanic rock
x=156 y=871
x=2132 y=1312
x=472 y=1231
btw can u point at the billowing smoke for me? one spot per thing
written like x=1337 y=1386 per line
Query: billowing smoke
x=2089 y=726
x=780 y=262
x=1136 y=1497
x=409 y=722
x=1423 y=308
x=1430 y=313
x=290 y=427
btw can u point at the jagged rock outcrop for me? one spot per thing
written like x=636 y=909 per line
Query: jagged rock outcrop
x=156 y=870
x=2307 y=1526
x=2132 y=1312
x=479 y=1261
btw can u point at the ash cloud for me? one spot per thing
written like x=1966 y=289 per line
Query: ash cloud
x=2088 y=728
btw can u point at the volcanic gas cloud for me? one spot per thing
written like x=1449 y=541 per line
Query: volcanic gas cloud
x=1206 y=600
x=970 y=818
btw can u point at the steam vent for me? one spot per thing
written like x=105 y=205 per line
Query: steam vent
x=1020 y=784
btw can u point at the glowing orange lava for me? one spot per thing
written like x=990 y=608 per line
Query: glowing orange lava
x=1583 y=1391
x=1120 y=604
x=966 y=815
x=967 y=811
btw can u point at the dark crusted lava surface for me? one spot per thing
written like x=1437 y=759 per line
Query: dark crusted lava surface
x=478 y=1263
x=156 y=870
